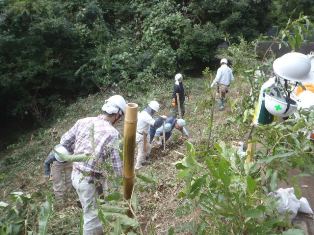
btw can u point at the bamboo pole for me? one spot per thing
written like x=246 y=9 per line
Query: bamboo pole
x=164 y=134
x=129 y=143
x=250 y=152
x=179 y=107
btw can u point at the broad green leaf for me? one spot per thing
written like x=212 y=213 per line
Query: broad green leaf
x=212 y=167
x=114 y=209
x=251 y=184
x=253 y=213
x=181 y=194
x=183 y=174
x=197 y=185
x=146 y=179
x=44 y=215
x=223 y=172
x=190 y=161
x=115 y=196
x=124 y=219
x=3 y=204
x=117 y=227
x=273 y=181
x=190 y=148
x=134 y=201
x=180 y=166
x=278 y=156
x=300 y=124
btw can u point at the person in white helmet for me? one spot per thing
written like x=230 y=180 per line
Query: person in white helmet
x=60 y=173
x=144 y=121
x=171 y=123
x=95 y=136
x=178 y=89
x=223 y=78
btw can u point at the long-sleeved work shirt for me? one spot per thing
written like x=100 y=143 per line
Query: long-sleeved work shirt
x=49 y=160
x=178 y=88
x=224 y=75
x=144 y=121
x=159 y=131
x=97 y=137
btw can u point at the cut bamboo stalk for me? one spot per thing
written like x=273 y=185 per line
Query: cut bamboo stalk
x=179 y=107
x=129 y=143
x=250 y=152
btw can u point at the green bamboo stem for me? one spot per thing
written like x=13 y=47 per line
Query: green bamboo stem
x=129 y=143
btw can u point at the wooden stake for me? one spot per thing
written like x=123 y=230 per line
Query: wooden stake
x=179 y=107
x=129 y=143
x=145 y=143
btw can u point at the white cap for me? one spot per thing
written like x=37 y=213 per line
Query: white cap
x=224 y=60
x=294 y=66
x=181 y=122
x=154 y=105
x=167 y=127
x=178 y=77
x=114 y=104
x=60 y=149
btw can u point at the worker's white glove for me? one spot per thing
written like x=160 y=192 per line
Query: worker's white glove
x=163 y=116
x=158 y=143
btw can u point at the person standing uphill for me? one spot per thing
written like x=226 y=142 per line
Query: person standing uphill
x=223 y=78
x=178 y=89
x=95 y=136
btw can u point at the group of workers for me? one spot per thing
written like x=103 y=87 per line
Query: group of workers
x=98 y=140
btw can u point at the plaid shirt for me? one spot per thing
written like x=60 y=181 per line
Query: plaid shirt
x=95 y=136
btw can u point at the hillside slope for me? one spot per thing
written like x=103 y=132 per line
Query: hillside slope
x=22 y=163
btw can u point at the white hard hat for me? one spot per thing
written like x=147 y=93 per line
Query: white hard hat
x=178 y=77
x=311 y=56
x=224 y=60
x=168 y=127
x=181 y=122
x=294 y=66
x=114 y=104
x=60 y=149
x=278 y=105
x=154 y=105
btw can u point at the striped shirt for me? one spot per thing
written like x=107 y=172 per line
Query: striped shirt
x=97 y=137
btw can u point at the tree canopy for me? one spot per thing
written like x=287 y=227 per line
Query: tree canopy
x=54 y=51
